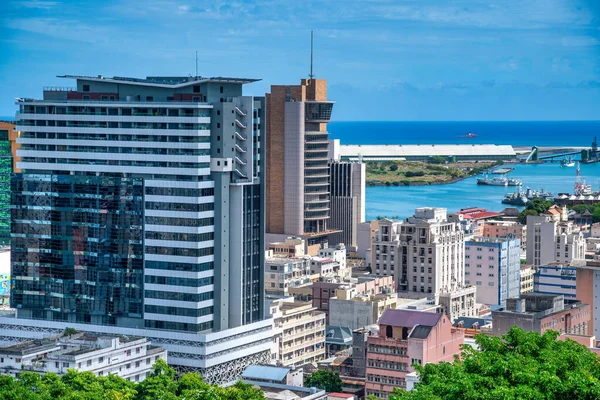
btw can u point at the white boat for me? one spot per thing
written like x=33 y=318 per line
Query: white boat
x=567 y=162
x=492 y=182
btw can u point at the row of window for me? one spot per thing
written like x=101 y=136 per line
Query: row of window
x=386 y=380
x=180 y=221
x=179 y=326
x=117 y=150
x=387 y=350
x=173 y=266
x=398 y=366
x=121 y=163
x=194 y=297
x=84 y=110
x=174 y=281
x=160 y=206
x=170 y=251
x=181 y=237
x=115 y=125
x=115 y=137
x=184 y=192
x=183 y=312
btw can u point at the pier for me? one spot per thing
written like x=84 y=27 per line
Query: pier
x=587 y=155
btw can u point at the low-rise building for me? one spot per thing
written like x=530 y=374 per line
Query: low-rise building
x=405 y=338
x=299 y=330
x=527 y=272
x=131 y=358
x=557 y=279
x=281 y=383
x=337 y=339
x=537 y=312
x=357 y=310
x=290 y=247
x=283 y=273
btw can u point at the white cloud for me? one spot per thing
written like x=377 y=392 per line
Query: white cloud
x=40 y=4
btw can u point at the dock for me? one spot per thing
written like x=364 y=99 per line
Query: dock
x=502 y=171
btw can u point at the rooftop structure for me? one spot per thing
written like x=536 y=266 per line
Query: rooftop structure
x=421 y=152
x=537 y=312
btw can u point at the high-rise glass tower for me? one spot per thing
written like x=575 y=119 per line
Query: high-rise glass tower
x=140 y=209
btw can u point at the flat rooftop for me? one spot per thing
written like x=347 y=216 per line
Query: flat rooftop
x=162 y=81
x=29 y=347
x=428 y=150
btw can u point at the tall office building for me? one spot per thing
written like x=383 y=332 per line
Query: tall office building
x=7 y=134
x=347 y=187
x=298 y=196
x=140 y=211
x=426 y=256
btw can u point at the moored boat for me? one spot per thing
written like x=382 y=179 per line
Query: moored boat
x=492 y=181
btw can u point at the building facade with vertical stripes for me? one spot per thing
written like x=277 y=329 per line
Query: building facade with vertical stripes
x=347 y=187
x=140 y=210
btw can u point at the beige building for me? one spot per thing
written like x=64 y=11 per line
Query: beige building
x=551 y=238
x=426 y=256
x=298 y=193
x=290 y=247
x=284 y=273
x=299 y=333
x=347 y=309
x=500 y=229
x=527 y=272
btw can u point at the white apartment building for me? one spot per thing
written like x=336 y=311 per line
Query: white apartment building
x=425 y=255
x=299 y=333
x=493 y=265
x=283 y=273
x=527 y=272
x=550 y=239
x=337 y=253
x=131 y=358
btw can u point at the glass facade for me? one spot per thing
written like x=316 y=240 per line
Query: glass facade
x=77 y=248
x=6 y=169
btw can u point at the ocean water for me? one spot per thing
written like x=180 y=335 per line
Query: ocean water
x=516 y=133
x=401 y=201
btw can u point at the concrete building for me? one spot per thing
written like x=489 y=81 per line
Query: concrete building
x=527 y=272
x=299 y=333
x=323 y=292
x=7 y=150
x=366 y=233
x=348 y=309
x=298 y=193
x=406 y=338
x=503 y=229
x=131 y=358
x=417 y=152
x=337 y=339
x=588 y=292
x=290 y=247
x=537 y=312
x=551 y=238
x=156 y=221
x=425 y=255
x=557 y=279
x=493 y=265
x=283 y=273
x=347 y=187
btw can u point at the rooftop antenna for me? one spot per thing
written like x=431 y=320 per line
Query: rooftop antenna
x=311 y=75
x=196 y=64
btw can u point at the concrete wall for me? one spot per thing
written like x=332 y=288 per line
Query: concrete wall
x=293 y=177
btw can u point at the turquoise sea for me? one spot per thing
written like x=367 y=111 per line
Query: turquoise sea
x=392 y=201
x=401 y=201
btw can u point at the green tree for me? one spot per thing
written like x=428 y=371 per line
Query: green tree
x=436 y=160
x=324 y=379
x=393 y=167
x=519 y=365
x=522 y=217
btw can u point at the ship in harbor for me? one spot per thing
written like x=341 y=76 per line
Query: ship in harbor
x=469 y=135
x=521 y=198
x=567 y=162
x=501 y=181
x=486 y=180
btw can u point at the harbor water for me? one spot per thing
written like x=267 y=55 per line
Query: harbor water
x=400 y=201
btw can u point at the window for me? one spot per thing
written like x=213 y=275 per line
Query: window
x=100 y=359
x=86 y=88
x=65 y=365
x=196 y=89
x=128 y=353
x=221 y=89
x=218 y=112
x=149 y=98
x=137 y=364
x=218 y=124
x=89 y=363
x=147 y=361
x=137 y=350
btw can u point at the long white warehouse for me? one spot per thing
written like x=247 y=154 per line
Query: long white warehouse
x=421 y=152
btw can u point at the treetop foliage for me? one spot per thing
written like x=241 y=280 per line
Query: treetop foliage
x=160 y=384
x=518 y=365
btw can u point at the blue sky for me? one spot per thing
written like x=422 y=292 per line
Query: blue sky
x=384 y=59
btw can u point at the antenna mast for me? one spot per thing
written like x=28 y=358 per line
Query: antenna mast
x=311 y=75
x=196 y=64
